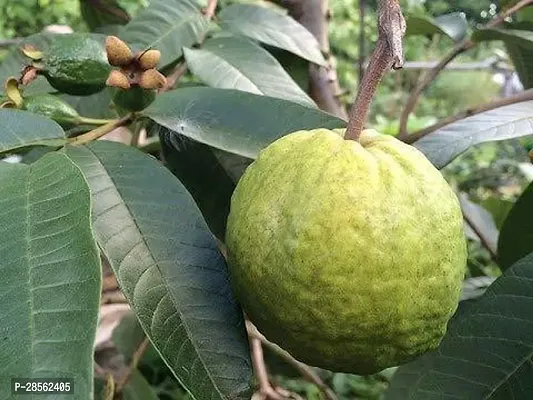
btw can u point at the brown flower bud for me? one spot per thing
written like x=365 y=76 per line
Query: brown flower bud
x=118 y=52
x=152 y=79
x=118 y=79
x=149 y=59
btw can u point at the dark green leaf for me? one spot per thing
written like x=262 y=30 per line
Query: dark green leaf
x=138 y=388
x=169 y=267
x=516 y=36
x=487 y=352
x=453 y=25
x=50 y=286
x=19 y=129
x=516 y=239
x=99 y=13
x=198 y=169
x=234 y=121
x=97 y=105
x=508 y=122
x=168 y=26
x=233 y=62
x=273 y=28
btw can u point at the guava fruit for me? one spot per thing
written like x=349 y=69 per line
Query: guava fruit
x=76 y=64
x=135 y=98
x=348 y=254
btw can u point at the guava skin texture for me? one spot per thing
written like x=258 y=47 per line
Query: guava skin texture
x=76 y=64
x=349 y=255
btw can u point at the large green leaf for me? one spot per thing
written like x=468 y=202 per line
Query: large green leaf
x=19 y=129
x=169 y=268
x=516 y=239
x=168 y=26
x=453 y=25
x=487 y=352
x=508 y=122
x=97 y=105
x=50 y=267
x=99 y=13
x=198 y=169
x=233 y=62
x=234 y=121
x=273 y=28
x=519 y=44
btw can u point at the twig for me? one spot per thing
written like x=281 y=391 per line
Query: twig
x=261 y=371
x=209 y=11
x=136 y=358
x=306 y=371
x=522 y=96
x=458 y=49
x=388 y=53
x=175 y=76
x=484 y=241
x=101 y=130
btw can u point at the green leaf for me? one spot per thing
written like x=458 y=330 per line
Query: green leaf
x=168 y=26
x=50 y=286
x=502 y=123
x=19 y=129
x=138 y=388
x=195 y=165
x=481 y=219
x=97 y=105
x=169 y=267
x=516 y=239
x=487 y=352
x=273 y=28
x=453 y=25
x=519 y=44
x=15 y=61
x=234 y=121
x=234 y=62
x=99 y=13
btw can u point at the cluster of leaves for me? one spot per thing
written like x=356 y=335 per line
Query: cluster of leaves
x=154 y=223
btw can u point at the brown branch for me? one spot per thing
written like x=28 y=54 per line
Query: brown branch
x=175 y=76
x=261 y=373
x=209 y=11
x=135 y=359
x=458 y=49
x=517 y=98
x=101 y=130
x=324 y=87
x=484 y=241
x=306 y=371
x=388 y=53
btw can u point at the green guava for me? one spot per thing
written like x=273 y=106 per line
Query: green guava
x=76 y=64
x=135 y=98
x=349 y=255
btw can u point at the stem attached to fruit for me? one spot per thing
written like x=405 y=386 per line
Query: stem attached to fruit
x=388 y=53
x=93 y=121
x=101 y=130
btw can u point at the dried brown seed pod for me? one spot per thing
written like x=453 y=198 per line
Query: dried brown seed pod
x=152 y=79
x=118 y=79
x=149 y=59
x=118 y=52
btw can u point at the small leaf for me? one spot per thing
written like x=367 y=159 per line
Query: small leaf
x=516 y=239
x=502 y=123
x=167 y=26
x=50 y=286
x=100 y=13
x=516 y=36
x=234 y=121
x=19 y=129
x=487 y=351
x=453 y=25
x=169 y=268
x=233 y=62
x=273 y=28
x=195 y=165
x=138 y=388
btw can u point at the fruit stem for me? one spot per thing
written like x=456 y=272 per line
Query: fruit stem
x=388 y=53
x=101 y=130
x=93 y=121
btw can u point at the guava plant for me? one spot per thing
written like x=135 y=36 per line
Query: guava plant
x=343 y=246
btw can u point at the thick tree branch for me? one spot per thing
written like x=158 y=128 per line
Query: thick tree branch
x=388 y=53
x=517 y=98
x=324 y=85
x=458 y=49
